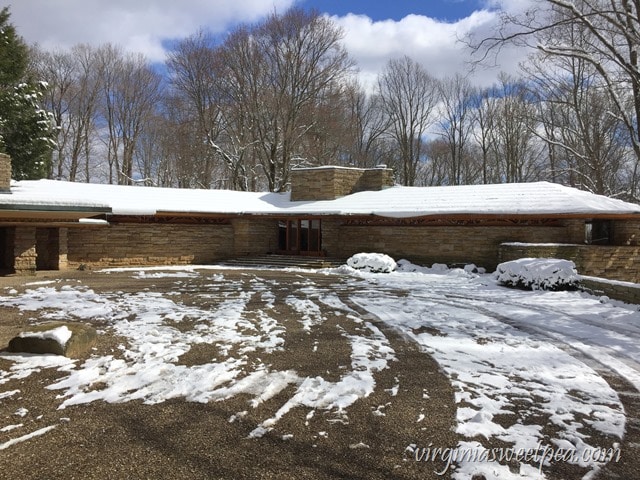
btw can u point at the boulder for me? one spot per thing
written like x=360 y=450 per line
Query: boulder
x=71 y=339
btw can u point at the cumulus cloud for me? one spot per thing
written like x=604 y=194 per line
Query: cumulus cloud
x=145 y=26
x=436 y=44
x=140 y=25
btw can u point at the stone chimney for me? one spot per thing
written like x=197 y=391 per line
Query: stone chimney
x=5 y=173
x=331 y=182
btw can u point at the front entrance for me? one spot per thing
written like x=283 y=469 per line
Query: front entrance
x=47 y=248
x=6 y=250
x=300 y=237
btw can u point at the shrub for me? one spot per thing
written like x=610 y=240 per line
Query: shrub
x=538 y=274
x=372 y=262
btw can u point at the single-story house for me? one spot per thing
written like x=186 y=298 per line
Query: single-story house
x=331 y=211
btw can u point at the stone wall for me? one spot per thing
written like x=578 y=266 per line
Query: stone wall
x=613 y=262
x=623 y=291
x=148 y=244
x=432 y=244
x=626 y=233
x=328 y=183
x=63 y=235
x=254 y=236
x=5 y=173
x=24 y=250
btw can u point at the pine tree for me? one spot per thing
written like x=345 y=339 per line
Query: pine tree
x=26 y=132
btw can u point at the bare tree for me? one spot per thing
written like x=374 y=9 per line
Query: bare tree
x=435 y=170
x=455 y=127
x=194 y=69
x=587 y=145
x=408 y=96
x=278 y=72
x=72 y=97
x=609 y=38
x=484 y=118
x=365 y=124
x=130 y=95
x=513 y=137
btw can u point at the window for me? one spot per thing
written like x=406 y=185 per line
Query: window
x=598 y=232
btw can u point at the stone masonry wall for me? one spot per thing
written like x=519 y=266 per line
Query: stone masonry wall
x=254 y=236
x=432 y=244
x=148 y=244
x=63 y=248
x=626 y=292
x=612 y=262
x=328 y=183
x=5 y=173
x=626 y=233
x=24 y=250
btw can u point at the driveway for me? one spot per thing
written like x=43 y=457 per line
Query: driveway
x=207 y=372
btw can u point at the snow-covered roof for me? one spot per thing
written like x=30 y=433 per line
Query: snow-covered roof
x=540 y=198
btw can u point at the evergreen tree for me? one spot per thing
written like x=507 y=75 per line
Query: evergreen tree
x=25 y=129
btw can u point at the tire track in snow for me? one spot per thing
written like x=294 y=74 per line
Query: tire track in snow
x=614 y=361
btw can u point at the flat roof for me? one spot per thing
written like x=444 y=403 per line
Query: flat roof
x=509 y=199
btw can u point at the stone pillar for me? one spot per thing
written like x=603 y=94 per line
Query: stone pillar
x=5 y=173
x=63 y=248
x=24 y=251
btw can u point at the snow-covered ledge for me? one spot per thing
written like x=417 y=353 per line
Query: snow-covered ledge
x=615 y=262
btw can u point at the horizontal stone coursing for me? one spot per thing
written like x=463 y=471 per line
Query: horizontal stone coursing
x=254 y=236
x=139 y=244
x=330 y=183
x=433 y=244
x=5 y=173
x=625 y=293
x=608 y=261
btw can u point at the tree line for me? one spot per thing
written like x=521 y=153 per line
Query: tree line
x=240 y=112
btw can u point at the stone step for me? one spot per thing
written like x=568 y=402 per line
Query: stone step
x=284 y=261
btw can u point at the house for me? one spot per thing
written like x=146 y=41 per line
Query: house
x=333 y=211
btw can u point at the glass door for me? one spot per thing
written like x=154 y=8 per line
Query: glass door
x=300 y=237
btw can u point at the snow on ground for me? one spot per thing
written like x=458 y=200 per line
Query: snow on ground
x=495 y=366
x=507 y=352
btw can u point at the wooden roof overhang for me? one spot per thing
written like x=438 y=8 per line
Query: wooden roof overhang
x=95 y=216
x=458 y=219
x=487 y=220
x=50 y=215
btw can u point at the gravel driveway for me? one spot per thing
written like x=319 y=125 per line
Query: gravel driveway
x=229 y=373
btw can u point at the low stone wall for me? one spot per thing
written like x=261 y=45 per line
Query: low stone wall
x=623 y=291
x=613 y=262
x=148 y=244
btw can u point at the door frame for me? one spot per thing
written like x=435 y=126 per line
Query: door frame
x=301 y=236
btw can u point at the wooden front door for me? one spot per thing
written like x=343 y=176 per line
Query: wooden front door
x=301 y=236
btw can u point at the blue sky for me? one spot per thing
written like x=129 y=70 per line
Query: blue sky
x=447 y=10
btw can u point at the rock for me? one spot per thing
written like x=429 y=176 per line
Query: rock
x=70 y=339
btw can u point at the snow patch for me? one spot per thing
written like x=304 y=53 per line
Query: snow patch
x=60 y=335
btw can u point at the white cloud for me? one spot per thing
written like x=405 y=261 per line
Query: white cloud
x=435 y=44
x=139 y=25
x=143 y=25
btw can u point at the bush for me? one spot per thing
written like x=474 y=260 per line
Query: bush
x=372 y=262
x=538 y=274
